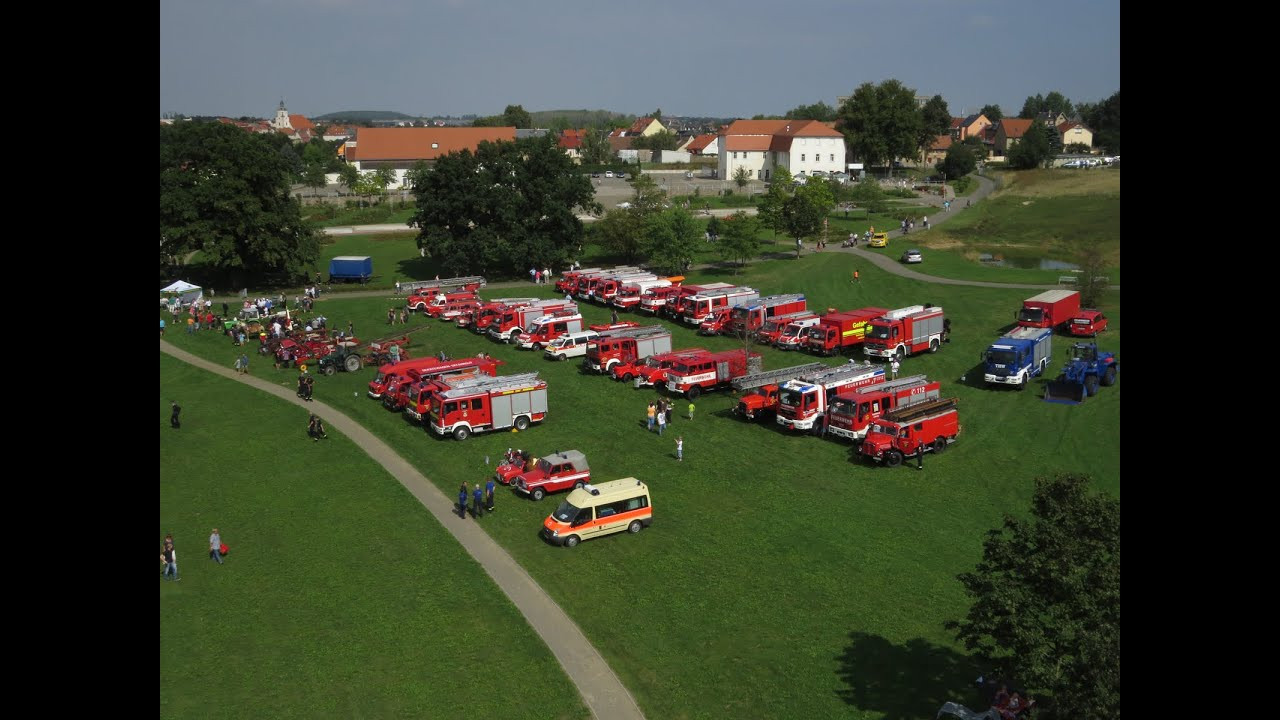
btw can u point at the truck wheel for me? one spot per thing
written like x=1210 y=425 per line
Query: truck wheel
x=351 y=363
x=940 y=445
x=693 y=392
x=522 y=423
x=537 y=494
x=635 y=527
x=627 y=377
x=818 y=425
x=561 y=357
x=933 y=345
x=609 y=367
x=515 y=335
x=901 y=353
x=537 y=347
x=1110 y=378
x=328 y=369
x=571 y=541
x=1022 y=385
x=461 y=433
x=1091 y=385
x=892 y=458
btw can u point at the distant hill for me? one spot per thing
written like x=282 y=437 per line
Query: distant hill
x=359 y=115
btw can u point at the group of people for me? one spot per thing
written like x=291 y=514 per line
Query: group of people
x=169 y=554
x=661 y=412
x=481 y=500
x=540 y=276
x=395 y=316
x=306 y=384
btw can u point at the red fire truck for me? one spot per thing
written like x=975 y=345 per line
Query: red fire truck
x=389 y=372
x=404 y=393
x=587 y=281
x=691 y=376
x=426 y=291
x=456 y=309
x=906 y=331
x=512 y=321
x=630 y=294
x=482 y=403
x=717 y=322
x=836 y=331
x=478 y=320
x=438 y=299
x=776 y=325
x=630 y=345
x=924 y=427
x=762 y=401
x=751 y=317
x=549 y=327
x=607 y=289
x=668 y=303
x=1049 y=309
x=852 y=412
x=653 y=370
x=568 y=282
x=696 y=308
x=802 y=404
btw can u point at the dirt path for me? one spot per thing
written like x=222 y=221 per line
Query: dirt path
x=599 y=687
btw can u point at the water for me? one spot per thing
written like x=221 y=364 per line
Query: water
x=1026 y=263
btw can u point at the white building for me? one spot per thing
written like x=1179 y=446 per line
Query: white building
x=762 y=146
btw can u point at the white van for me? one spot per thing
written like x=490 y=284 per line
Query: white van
x=569 y=345
x=594 y=510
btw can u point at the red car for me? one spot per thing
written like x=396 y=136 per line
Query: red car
x=561 y=471
x=1088 y=323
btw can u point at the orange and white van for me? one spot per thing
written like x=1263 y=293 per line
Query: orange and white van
x=594 y=510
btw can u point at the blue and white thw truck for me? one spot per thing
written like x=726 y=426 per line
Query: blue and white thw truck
x=1018 y=356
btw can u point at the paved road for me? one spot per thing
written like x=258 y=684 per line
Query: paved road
x=600 y=688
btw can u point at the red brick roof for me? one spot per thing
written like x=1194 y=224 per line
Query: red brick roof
x=300 y=121
x=739 y=143
x=639 y=125
x=1067 y=126
x=416 y=143
x=621 y=143
x=942 y=142
x=571 y=139
x=700 y=143
x=957 y=123
x=1015 y=127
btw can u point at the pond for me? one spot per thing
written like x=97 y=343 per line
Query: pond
x=1025 y=263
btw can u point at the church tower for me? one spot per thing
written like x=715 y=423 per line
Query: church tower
x=282 y=118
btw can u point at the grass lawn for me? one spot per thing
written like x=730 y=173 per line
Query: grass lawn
x=780 y=579
x=341 y=597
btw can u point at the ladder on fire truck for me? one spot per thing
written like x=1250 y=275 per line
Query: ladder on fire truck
x=914 y=412
x=771 y=300
x=489 y=384
x=516 y=300
x=760 y=379
x=638 y=333
x=834 y=375
x=902 y=382
x=455 y=282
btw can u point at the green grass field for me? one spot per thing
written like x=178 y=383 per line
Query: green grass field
x=780 y=579
x=341 y=597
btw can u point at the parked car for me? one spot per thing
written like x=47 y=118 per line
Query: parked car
x=912 y=256
x=595 y=174
x=622 y=176
x=688 y=175
x=1088 y=323
x=880 y=239
x=608 y=173
x=1074 y=164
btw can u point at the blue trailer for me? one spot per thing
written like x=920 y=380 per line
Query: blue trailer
x=1018 y=356
x=351 y=268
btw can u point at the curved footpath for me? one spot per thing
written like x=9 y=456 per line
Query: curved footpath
x=599 y=687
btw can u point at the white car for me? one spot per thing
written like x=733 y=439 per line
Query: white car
x=912 y=256
x=608 y=173
x=1074 y=164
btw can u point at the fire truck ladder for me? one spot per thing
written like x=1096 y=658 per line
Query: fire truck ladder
x=900 y=383
x=832 y=375
x=517 y=300
x=446 y=283
x=377 y=344
x=634 y=332
x=919 y=410
x=489 y=384
x=760 y=379
x=771 y=300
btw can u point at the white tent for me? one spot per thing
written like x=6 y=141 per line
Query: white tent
x=185 y=292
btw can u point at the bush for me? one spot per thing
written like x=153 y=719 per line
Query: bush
x=964 y=185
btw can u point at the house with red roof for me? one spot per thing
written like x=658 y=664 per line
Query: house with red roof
x=571 y=142
x=1074 y=132
x=762 y=146
x=708 y=144
x=1009 y=133
x=938 y=149
x=400 y=148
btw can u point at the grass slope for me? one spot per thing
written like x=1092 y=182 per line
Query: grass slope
x=780 y=579
x=342 y=596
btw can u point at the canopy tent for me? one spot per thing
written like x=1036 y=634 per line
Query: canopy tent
x=184 y=292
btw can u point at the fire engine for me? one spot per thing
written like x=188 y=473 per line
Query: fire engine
x=439 y=299
x=549 y=327
x=389 y=372
x=924 y=427
x=480 y=404
x=775 y=326
x=630 y=345
x=762 y=401
x=413 y=392
x=668 y=304
x=511 y=322
x=751 y=317
x=478 y=320
x=851 y=413
x=717 y=322
x=696 y=308
x=631 y=293
x=906 y=331
x=561 y=471
x=692 y=375
x=568 y=282
x=836 y=331
x=653 y=370
x=606 y=290
x=802 y=404
x=587 y=281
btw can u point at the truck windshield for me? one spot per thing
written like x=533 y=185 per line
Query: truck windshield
x=566 y=512
x=792 y=330
x=1001 y=357
x=544 y=466
x=413 y=393
x=790 y=397
x=879 y=332
x=1034 y=315
x=817 y=333
x=738 y=313
x=843 y=407
x=883 y=429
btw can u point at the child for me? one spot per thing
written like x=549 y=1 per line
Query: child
x=680 y=448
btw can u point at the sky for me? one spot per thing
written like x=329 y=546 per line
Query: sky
x=710 y=58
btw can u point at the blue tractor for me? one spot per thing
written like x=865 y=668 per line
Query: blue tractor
x=1086 y=369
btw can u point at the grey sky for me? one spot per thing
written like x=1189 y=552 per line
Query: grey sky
x=721 y=58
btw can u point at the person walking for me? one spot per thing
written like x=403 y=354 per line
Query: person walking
x=893 y=369
x=662 y=421
x=613 y=317
x=161 y=327
x=173 y=416
x=215 y=546
x=691 y=409
x=394 y=351
x=244 y=363
x=477 y=507
x=191 y=325
x=237 y=366
x=680 y=448
x=488 y=495
x=926 y=222
x=855 y=276
x=462 y=501
x=169 y=556
x=391 y=316
x=652 y=412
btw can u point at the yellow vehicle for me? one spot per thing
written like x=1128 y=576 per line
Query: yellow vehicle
x=594 y=510
x=880 y=239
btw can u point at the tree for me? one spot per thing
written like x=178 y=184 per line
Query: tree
x=958 y=162
x=314 y=177
x=1054 y=102
x=713 y=227
x=741 y=177
x=803 y=212
x=661 y=140
x=595 y=148
x=226 y=193
x=881 y=122
x=817 y=111
x=348 y=177
x=1034 y=149
x=656 y=115
x=935 y=120
x=992 y=113
x=1104 y=120
x=506 y=206
x=769 y=207
x=671 y=239
x=621 y=233
x=517 y=116
x=740 y=241
x=1076 y=147
x=383 y=177
x=1047 y=598
x=1091 y=282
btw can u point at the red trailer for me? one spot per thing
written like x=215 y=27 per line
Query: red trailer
x=1049 y=309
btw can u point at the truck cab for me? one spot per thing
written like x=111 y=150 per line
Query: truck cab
x=554 y=473
x=437 y=299
x=795 y=334
x=548 y=328
x=927 y=427
x=717 y=322
x=759 y=404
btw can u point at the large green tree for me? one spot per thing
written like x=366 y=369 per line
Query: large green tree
x=661 y=140
x=739 y=238
x=1054 y=102
x=1034 y=149
x=769 y=206
x=226 y=193
x=1047 y=599
x=959 y=161
x=935 y=120
x=1104 y=120
x=504 y=207
x=595 y=149
x=513 y=116
x=671 y=239
x=803 y=212
x=992 y=113
x=881 y=122
x=817 y=111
